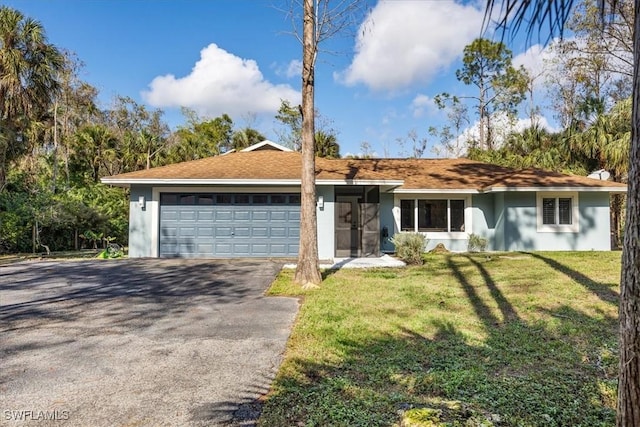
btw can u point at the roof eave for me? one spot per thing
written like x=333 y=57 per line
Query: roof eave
x=555 y=189
x=436 y=190
x=124 y=182
x=387 y=182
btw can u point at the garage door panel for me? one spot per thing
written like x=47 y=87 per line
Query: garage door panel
x=167 y=232
x=261 y=215
x=241 y=216
x=294 y=216
x=259 y=231
x=223 y=215
x=241 y=248
x=187 y=231
x=205 y=248
x=187 y=215
x=260 y=249
x=242 y=232
x=205 y=215
x=168 y=248
x=278 y=232
x=205 y=231
x=223 y=248
x=279 y=216
x=170 y=215
x=186 y=247
x=226 y=227
x=224 y=232
x=279 y=248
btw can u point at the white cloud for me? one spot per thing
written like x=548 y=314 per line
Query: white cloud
x=220 y=82
x=422 y=104
x=532 y=59
x=537 y=61
x=291 y=70
x=294 y=69
x=402 y=43
x=503 y=126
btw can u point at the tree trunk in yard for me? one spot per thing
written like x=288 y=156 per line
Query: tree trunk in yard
x=307 y=270
x=629 y=377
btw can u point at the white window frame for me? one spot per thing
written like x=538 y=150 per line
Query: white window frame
x=574 y=227
x=436 y=235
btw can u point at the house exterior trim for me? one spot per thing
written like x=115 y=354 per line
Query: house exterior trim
x=260 y=182
x=555 y=189
x=434 y=191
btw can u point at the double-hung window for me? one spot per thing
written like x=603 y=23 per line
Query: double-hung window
x=432 y=215
x=557 y=212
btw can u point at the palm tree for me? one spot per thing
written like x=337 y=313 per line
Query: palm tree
x=327 y=145
x=95 y=148
x=245 y=137
x=28 y=80
x=553 y=15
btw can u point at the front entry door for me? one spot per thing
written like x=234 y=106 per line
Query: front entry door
x=348 y=226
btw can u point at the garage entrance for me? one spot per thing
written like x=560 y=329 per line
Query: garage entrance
x=210 y=225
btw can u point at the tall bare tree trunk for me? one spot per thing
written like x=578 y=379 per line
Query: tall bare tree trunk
x=307 y=270
x=629 y=377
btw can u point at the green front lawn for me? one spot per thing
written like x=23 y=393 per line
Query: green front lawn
x=508 y=339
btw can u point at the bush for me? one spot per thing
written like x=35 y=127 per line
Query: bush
x=409 y=247
x=477 y=243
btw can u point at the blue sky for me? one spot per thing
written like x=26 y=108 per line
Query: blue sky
x=239 y=57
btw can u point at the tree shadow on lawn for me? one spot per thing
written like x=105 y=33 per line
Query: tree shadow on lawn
x=601 y=290
x=554 y=372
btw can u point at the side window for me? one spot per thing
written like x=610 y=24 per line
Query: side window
x=558 y=212
x=457 y=215
x=407 y=212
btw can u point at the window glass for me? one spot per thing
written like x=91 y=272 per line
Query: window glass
x=549 y=211
x=187 y=199
x=457 y=215
x=168 y=199
x=242 y=199
x=564 y=211
x=205 y=199
x=294 y=199
x=406 y=215
x=260 y=199
x=223 y=199
x=432 y=215
x=278 y=199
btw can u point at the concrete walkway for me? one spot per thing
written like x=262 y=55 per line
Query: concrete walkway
x=379 y=262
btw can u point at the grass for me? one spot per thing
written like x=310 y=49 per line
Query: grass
x=526 y=339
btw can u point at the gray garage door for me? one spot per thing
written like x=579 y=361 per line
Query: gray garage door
x=201 y=225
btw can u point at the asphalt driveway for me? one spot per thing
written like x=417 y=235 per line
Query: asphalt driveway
x=139 y=342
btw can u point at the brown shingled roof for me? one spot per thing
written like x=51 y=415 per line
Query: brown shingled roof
x=440 y=174
x=262 y=164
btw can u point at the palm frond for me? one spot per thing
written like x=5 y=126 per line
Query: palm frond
x=541 y=17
